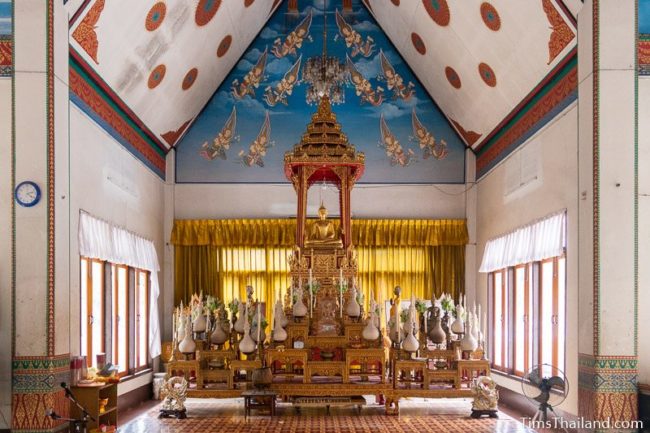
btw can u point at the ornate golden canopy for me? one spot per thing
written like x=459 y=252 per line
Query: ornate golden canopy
x=324 y=154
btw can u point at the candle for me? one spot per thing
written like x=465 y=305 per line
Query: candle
x=174 y=330
x=341 y=292
x=484 y=327
x=311 y=293
x=478 y=317
x=397 y=323
x=259 y=323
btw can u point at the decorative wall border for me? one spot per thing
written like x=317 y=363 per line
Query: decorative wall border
x=596 y=173
x=94 y=97
x=643 y=53
x=556 y=92
x=50 y=181
x=607 y=387
x=35 y=388
x=6 y=55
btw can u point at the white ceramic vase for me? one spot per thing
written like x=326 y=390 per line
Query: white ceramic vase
x=279 y=334
x=187 y=345
x=247 y=345
x=410 y=343
x=299 y=308
x=353 y=308
x=219 y=336
x=469 y=343
x=241 y=320
x=370 y=332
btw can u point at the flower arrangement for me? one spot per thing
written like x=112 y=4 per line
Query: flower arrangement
x=404 y=316
x=212 y=303
x=447 y=303
x=360 y=297
x=233 y=306
x=420 y=306
x=314 y=287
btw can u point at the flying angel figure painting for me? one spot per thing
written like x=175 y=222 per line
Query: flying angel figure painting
x=221 y=143
x=394 y=150
x=353 y=38
x=257 y=149
x=429 y=145
x=294 y=39
x=251 y=80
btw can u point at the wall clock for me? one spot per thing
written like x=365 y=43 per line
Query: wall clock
x=27 y=193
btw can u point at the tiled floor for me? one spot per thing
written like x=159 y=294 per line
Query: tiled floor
x=416 y=416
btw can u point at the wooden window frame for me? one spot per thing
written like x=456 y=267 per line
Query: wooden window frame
x=555 y=314
x=115 y=330
x=528 y=317
x=502 y=328
x=137 y=319
x=89 y=319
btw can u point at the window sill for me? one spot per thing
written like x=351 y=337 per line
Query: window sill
x=136 y=375
x=518 y=379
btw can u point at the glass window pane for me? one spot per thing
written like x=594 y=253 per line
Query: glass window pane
x=529 y=320
x=142 y=318
x=546 y=314
x=97 y=310
x=122 y=319
x=498 y=320
x=561 y=313
x=84 y=307
x=520 y=317
x=114 y=313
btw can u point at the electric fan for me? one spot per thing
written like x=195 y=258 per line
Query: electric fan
x=545 y=386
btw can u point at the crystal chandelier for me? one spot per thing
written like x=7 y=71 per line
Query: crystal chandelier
x=325 y=75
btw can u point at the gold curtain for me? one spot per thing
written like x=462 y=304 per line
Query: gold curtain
x=221 y=257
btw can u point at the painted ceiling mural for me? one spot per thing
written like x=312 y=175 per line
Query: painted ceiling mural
x=144 y=69
x=260 y=110
x=644 y=17
x=498 y=69
x=6 y=30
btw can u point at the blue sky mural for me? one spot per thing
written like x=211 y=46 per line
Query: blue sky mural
x=404 y=135
x=644 y=16
x=5 y=17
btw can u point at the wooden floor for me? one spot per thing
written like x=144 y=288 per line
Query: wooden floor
x=416 y=416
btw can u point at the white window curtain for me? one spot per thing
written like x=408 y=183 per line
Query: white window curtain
x=101 y=240
x=540 y=240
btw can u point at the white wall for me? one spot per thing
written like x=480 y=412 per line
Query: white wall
x=555 y=190
x=644 y=229
x=94 y=157
x=215 y=201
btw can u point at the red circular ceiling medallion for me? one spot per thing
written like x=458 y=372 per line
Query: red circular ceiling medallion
x=224 y=45
x=418 y=43
x=452 y=77
x=395 y=2
x=487 y=74
x=438 y=11
x=190 y=78
x=205 y=11
x=490 y=16
x=155 y=16
x=156 y=76
x=247 y=3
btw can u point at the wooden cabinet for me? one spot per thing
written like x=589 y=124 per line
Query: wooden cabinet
x=89 y=397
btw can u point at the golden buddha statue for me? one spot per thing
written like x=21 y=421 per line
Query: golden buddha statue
x=322 y=233
x=395 y=301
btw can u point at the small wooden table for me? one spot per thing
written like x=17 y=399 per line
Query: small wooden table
x=259 y=399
